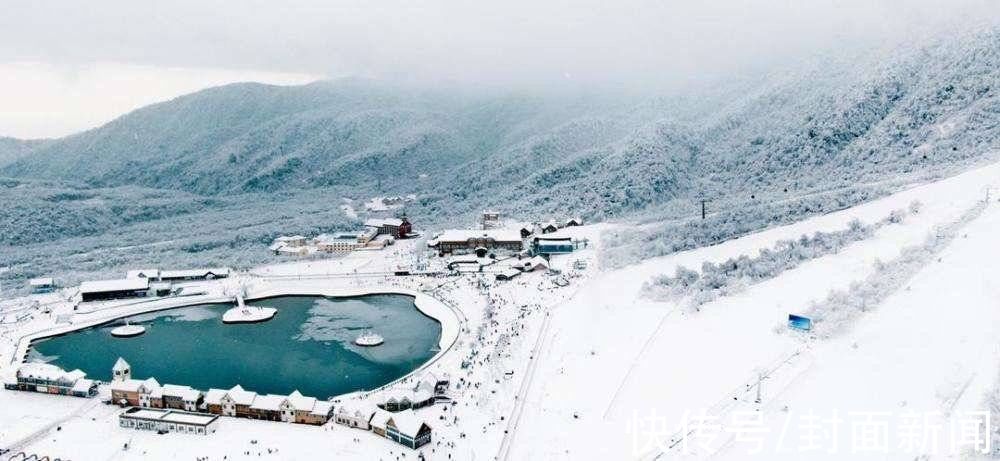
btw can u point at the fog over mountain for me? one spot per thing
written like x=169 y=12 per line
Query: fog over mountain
x=233 y=166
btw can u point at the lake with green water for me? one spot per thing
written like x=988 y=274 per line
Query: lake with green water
x=307 y=346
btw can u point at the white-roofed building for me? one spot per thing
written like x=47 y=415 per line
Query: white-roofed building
x=355 y=414
x=291 y=251
x=232 y=402
x=194 y=274
x=168 y=421
x=469 y=240
x=404 y=427
x=137 y=393
x=380 y=418
x=292 y=240
x=42 y=285
x=396 y=227
x=121 y=371
x=181 y=397
x=113 y=289
x=50 y=379
x=270 y=407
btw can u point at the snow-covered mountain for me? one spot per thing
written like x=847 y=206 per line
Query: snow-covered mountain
x=766 y=150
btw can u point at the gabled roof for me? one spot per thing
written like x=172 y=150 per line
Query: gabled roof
x=185 y=393
x=214 y=396
x=380 y=418
x=322 y=408
x=240 y=396
x=136 y=385
x=82 y=385
x=120 y=364
x=269 y=402
x=301 y=402
x=407 y=423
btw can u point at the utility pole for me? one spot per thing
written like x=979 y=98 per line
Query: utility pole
x=703 y=202
x=760 y=379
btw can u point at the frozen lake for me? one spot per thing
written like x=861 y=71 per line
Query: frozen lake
x=307 y=346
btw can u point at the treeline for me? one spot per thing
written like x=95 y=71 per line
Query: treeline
x=735 y=274
x=833 y=313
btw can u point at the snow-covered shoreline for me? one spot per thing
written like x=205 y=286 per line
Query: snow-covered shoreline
x=449 y=319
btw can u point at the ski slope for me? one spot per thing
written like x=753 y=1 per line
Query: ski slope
x=628 y=377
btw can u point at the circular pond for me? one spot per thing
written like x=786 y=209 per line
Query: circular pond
x=308 y=345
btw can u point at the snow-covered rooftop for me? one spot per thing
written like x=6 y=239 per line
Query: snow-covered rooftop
x=463 y=235
x=186 y=273
x=186 y=393
x=147 y=273
x=268 y=402
x=99 y=286
x=407 y=422
x=49 y=372
x=379 y=222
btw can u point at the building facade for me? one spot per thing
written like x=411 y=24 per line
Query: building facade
x=168 y=421
x=50 y=379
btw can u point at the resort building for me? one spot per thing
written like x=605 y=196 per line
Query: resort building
x=424 y=393
x=50 y=379
x=554 y=243
x=42 y=285
x=396 y=227
x=289 y=251
x=292 y=241
x=114 y=289
x=470 y=240
x=535 y=263
x=137 y=393
x=269 y=407
x=194 y=274
x=181 y=397
x=293 y=408
x=508 y=273
x=490 y=220
x=345 y=241
x=168 y=421
x=354 y=414
x=550 y=227
x=404 y=428
x=234 y=402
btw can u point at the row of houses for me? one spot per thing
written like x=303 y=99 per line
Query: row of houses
x=293 y=408
x=146 y=282
x=236 y=402
x=50 y=379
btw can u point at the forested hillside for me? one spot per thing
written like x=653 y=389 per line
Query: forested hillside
x=763 y=151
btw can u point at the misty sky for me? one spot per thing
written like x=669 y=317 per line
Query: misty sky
x=67 y=65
